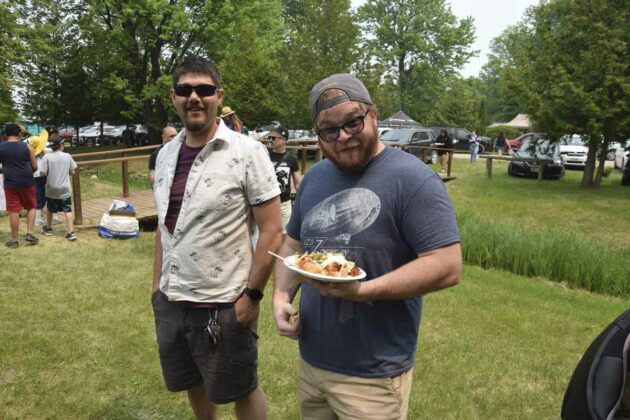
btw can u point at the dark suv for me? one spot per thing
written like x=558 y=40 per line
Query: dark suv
x=461 y=136
x=413 y=136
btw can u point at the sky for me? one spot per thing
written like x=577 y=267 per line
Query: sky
x=491 y=17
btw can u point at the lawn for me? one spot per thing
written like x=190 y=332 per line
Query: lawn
x=77 y=338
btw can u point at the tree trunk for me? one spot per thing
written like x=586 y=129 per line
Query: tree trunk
x=602 y=160
x=589 y=169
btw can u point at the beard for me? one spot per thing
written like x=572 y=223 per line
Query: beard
x=197 y=127
x=366 y=153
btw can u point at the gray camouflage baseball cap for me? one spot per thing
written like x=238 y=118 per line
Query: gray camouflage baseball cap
x=353 y=88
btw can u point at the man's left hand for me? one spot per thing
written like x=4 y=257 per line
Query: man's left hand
x=246 y=311
x=343 y=290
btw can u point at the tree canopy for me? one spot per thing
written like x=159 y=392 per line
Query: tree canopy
x=566 y=64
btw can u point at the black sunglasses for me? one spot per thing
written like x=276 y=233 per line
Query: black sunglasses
x=201 y=90
x=351 y=127
x=272 y=138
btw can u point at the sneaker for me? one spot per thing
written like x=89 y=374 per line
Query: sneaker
x=71 y=236
x=56 y=220
x=47 y=231
x=12 y=244
x=31 y=239
x=39 y=223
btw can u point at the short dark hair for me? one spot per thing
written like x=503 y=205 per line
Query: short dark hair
x=12 y=130
x=198 y=65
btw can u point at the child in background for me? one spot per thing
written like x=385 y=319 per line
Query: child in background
x=57 y=166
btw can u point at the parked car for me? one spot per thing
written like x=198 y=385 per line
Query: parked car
x=461 y=136
x=383 y=130
x=574 y=150
x=539 y=148
x=612 y=149
x=625 y=177
x=87 y=136
x=622 y=155
x=67 y=133
x=515 y=144
x=113 y=135
x=413 y=136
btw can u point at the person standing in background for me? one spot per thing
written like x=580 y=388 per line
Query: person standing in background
x=38 y=144
x=501 y=143
x=57 y=167
x=18 y=164
x=232 y=120
x=474 y=146
x=446 y=142
x=168 y=134
x=287 y=169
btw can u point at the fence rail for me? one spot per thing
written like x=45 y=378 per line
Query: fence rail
x=304 y=146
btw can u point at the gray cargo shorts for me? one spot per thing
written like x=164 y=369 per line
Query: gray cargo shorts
x=189 y=356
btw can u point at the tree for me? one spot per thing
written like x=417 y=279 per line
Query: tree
x=255 y=71
x=461 y=104
x=56 y=85
x=503 y=104
x=420 y=43
x=321 y=39
x=10 y=50
x=574 y=73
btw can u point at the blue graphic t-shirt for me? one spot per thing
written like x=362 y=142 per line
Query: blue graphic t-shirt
x=381 y=219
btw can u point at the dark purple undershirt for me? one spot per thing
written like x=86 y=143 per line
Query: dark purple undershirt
x=185 y=160
x=187 y=156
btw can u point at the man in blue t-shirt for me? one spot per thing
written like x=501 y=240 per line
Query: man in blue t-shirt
x=387 y=211
x=18 y=164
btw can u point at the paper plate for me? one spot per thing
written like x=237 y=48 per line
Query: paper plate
x=290 y=263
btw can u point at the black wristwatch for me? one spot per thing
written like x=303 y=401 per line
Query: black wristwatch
x=254 y=294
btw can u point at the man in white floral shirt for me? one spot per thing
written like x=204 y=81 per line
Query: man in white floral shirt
x=211 y=186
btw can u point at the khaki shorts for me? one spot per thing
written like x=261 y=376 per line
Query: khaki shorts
x=326 y=395
x=285 y=215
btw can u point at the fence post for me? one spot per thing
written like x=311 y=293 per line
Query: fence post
x=125 y=176
x=449 y=164
x=76 y=192
x=489 y=167
x=541 y=171
x=304 y=151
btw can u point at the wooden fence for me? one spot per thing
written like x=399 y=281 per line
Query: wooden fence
x=91 y=159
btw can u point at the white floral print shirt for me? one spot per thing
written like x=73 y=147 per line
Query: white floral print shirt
x=209 y=255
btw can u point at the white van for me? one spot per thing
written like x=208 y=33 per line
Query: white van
x=574 y=150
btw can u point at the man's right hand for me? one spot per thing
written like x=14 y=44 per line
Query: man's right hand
x=287 y=319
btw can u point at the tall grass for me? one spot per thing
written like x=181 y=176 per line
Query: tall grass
x=553 y=254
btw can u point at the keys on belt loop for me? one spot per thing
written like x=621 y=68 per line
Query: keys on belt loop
x=214 y=329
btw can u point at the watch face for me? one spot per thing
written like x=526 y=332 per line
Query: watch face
x=253 y=294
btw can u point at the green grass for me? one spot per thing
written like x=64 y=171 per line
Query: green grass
x=598 y=214
x=77 y=340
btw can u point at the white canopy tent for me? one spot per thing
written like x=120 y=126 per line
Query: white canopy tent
x=399 y=120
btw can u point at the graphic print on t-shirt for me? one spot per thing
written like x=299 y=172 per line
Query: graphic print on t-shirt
x=333 y=221
x=282 y=174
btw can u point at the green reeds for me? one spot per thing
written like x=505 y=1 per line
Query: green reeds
x=553 y=254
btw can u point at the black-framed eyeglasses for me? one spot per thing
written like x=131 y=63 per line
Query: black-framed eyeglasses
x=272 y=138
x=351 y=127
x=201 y=90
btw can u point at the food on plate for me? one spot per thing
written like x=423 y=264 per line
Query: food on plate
x=327 y=264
